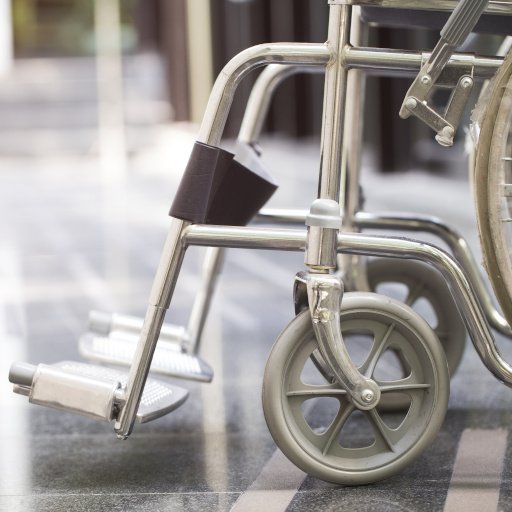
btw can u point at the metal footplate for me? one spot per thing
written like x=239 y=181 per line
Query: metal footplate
x=112 y=339
x=92 y=391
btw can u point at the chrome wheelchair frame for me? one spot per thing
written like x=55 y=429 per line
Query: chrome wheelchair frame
x=332 y=242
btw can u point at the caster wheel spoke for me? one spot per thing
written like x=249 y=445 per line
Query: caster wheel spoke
x=385 y=437
x=380 y=344
x=307 y=391
x=402 y=386
x=331 y=434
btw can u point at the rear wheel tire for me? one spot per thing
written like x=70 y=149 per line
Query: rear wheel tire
x=493 y=186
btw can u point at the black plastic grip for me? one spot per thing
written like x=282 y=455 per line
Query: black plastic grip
x=216 y=189
x=462 y=21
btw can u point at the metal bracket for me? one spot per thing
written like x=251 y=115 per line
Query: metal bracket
x=324 y=296
x=445 y=124
x=454 y=32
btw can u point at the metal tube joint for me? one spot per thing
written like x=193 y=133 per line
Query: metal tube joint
x=323 y=222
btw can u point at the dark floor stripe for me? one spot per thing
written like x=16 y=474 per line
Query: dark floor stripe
x=476 y=478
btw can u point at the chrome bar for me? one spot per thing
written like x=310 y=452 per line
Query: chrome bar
x=261 y=95
x=280 y=216
x=353 y=135
x=308 y=54
x=460 y=286
x=159 y=300
x=353 y=267
x=372 y=60
x=324 y=219
x=211 y=130
x=245 y=237
x=212 y=265
x=379 y=61
x=333 y=113
x=239 y=66
x=105 y=324
x=494 y=6
x=413 y=223
x=250 y=130
x=371 y=245
x=458 y=246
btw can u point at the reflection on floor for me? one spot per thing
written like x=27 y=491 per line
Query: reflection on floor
x=73 y=241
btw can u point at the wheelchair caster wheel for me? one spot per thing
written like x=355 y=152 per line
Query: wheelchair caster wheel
x=320 y=430
x=428 y=294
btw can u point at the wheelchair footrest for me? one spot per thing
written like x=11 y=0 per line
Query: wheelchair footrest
x=168 y=359
x=92 y=391
x=114 y=324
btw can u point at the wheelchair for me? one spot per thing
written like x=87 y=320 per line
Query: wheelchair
x=372 y=355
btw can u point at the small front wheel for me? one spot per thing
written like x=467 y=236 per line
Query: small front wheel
x=320 y=430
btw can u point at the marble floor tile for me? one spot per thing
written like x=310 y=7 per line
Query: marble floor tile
x=70 y=243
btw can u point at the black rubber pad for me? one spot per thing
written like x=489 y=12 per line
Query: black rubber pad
x=216 y=189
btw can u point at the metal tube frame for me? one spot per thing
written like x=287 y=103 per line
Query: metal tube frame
x=493 y=7
x=353 y=219
x=352 y=267
x=338 y=57
x=252 y=123
x=372 y=245
x=413 y=223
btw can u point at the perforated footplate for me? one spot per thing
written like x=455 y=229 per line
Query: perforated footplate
x=159 y=398
x=168 y=358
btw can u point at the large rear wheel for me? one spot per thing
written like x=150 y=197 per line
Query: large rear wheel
x=425 y=290
x=493 y=186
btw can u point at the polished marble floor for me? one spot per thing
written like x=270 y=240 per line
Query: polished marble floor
x=74 y=239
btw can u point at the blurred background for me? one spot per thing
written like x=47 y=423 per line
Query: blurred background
x=109 y=77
